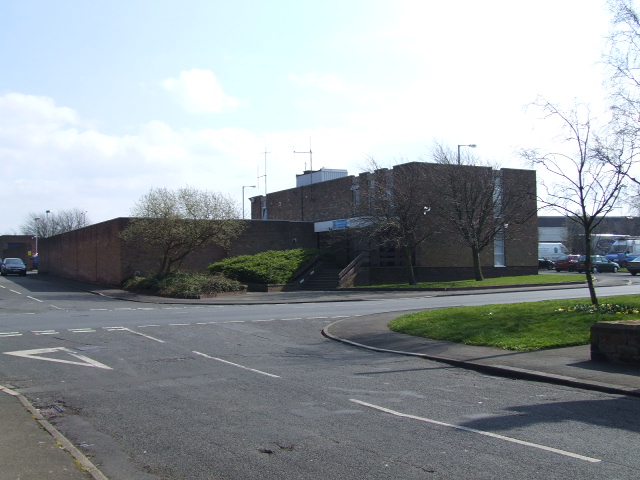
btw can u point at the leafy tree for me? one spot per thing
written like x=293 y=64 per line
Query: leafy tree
x=53 y=223
x=586 y=182
x=474 y=203
x=175 y=223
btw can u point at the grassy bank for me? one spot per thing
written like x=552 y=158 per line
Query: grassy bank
x=518 y=326
x=489 y=282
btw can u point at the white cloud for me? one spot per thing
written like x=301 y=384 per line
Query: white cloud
x=50 y=162
x=198 y=91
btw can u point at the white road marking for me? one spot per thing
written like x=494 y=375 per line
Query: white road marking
x=120 y=328
x=480 y=432
x=44 y=332
x=85 y=361
x=15 y=291
x=99 y=309
x=236 y=365
x=33 y=298
x=124 y=329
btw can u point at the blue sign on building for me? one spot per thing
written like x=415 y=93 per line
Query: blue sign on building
x=337 y=224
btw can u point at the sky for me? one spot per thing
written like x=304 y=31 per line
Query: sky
x=102 y=101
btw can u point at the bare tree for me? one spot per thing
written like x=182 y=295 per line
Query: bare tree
x=395 y=203
x=586 y=182
x=175 y=223
x=622 y=60
x=474 y=202
x=50 y=223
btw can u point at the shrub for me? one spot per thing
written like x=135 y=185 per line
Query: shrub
x=272 y=267
x=183 y=284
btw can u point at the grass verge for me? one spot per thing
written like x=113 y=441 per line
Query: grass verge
x=518 y=326
x=490 y=282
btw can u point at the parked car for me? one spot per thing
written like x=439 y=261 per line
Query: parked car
x=13 y=266
x=599 y=263
x=545 y=263
x=633 y=265
x=567 y=262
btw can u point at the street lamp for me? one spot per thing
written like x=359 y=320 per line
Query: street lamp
x=243 y=187
x=46 y=231
x=472 y=145
x=37 y=219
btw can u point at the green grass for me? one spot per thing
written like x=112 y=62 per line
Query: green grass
x=489 y=282
x=518 y=326
x=271 y=267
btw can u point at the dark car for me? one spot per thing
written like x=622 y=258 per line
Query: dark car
x=633 y=266
x=599 y=263
x=13 y=266
x=567 y=262
x=545 y=264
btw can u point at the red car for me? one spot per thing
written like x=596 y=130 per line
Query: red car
x=567 y=262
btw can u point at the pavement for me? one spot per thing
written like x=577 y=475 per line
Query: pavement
x=32 y=448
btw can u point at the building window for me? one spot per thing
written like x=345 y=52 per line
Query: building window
x=355 y=188
x=498 y=250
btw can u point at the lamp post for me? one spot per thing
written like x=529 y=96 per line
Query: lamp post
x=46 y=231
x=243 y=187
x=472 y=145
x=37 y=219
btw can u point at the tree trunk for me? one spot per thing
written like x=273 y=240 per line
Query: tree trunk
x=592 y=288
x=477 y=269
x=408 y=262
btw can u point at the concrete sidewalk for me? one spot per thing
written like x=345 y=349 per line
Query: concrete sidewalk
x=31 y=448
x=570 y=366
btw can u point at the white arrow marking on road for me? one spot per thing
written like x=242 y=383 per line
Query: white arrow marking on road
x=85 y=361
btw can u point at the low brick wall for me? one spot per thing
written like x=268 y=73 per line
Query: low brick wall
x=616 y=342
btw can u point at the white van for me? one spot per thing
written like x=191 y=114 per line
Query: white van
x=551 y=251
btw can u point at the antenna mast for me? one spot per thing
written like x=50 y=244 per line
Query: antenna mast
x=310 y=159
x=264 y=213
x=265 y=172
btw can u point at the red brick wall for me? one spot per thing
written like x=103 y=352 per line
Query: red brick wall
x=334 y=199
x=97 y=254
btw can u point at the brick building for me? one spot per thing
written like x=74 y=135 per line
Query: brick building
x=322 y=211
x=338 y=204
x=18 y=246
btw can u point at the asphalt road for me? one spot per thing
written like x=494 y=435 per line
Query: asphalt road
x=241 y=392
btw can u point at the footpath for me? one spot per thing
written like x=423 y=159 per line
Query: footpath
x=31 y=448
